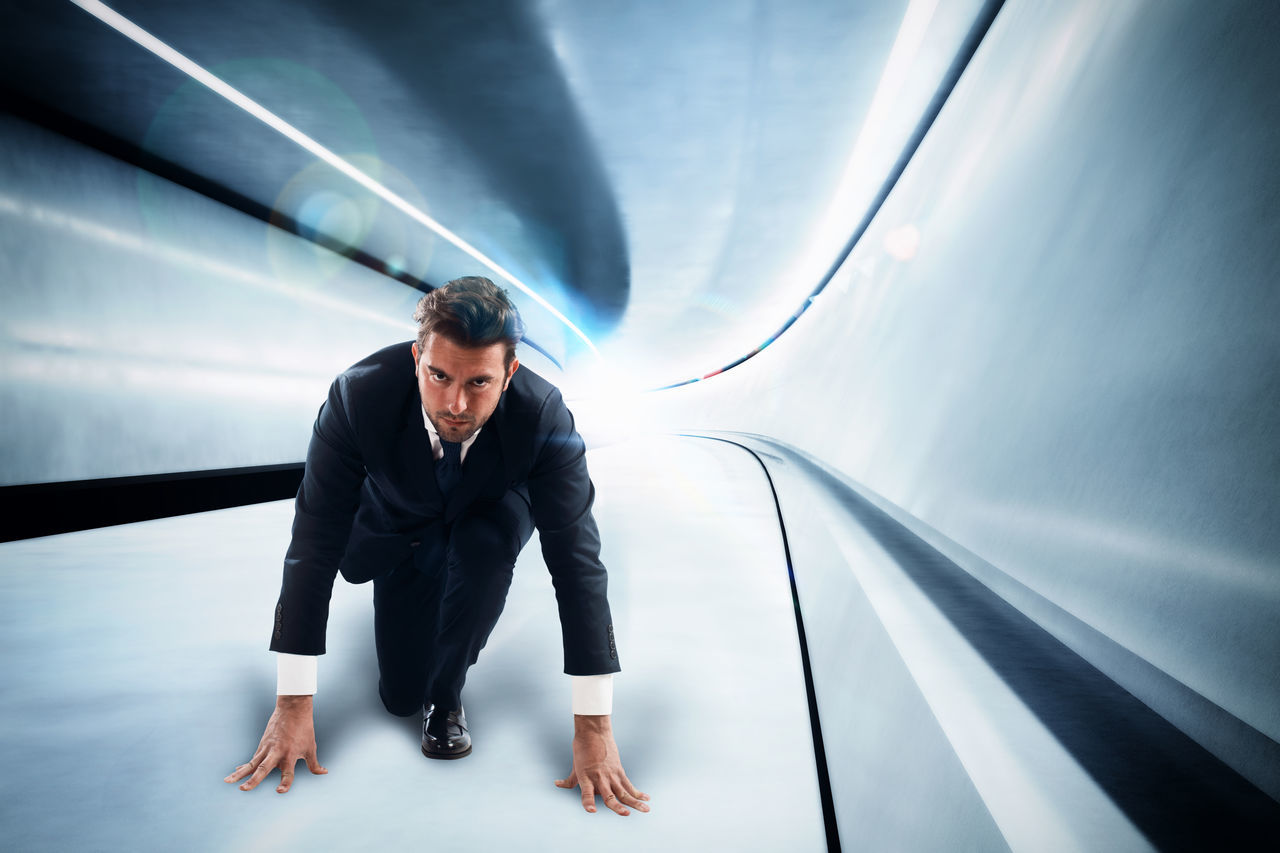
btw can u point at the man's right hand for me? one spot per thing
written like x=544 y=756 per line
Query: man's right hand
x=290 y=735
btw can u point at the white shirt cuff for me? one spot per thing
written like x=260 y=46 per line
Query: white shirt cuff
x=295 y=674
x=592 y=694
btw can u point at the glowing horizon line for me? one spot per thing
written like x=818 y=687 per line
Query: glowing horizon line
x=144 y=39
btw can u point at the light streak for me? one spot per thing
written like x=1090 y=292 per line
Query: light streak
x=193 y=260
x=144 y=39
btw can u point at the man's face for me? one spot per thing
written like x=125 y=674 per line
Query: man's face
x=460 y=386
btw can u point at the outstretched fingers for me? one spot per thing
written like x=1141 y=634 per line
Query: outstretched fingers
x=313 y=764
x=239 y=773
x=612 y=801
x=248 y=767
x=634 y=793
x=615 y=789
x=632 y=800
x=588 y=796
x=261 y=766
x=264 y=768
x=286 y=778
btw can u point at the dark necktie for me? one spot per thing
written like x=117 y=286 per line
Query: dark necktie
x=449 y=466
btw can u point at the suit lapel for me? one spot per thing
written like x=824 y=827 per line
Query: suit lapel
x=414 y=452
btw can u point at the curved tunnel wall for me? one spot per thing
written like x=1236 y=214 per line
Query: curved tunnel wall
x=1056 y=346
x=148 y=329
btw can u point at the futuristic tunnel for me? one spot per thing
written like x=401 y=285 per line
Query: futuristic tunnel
x=927 y=353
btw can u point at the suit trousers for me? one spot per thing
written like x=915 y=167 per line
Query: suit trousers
x=430 y=622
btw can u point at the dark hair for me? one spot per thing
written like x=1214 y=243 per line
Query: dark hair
x=471 y=312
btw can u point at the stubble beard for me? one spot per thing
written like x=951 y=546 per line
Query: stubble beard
x=452 y=433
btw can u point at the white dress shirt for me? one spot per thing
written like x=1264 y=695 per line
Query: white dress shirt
x=296 y=675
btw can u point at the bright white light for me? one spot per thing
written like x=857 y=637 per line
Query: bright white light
x=865 y=169
x=897 y=71
x=141 y=37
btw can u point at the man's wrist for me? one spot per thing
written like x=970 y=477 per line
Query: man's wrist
x=595 y=724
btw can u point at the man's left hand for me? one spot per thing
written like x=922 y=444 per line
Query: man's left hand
x=597 y=769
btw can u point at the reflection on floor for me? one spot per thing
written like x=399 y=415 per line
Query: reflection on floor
x=136 y=676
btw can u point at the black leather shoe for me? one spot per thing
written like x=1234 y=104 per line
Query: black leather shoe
x=444 y=733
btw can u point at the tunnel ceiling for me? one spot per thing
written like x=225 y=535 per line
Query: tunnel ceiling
x=672 y=176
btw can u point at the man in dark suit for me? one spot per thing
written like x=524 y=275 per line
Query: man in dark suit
x=429 y=466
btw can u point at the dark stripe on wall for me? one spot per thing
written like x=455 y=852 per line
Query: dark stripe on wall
x=44 y=509
x=981 y=25
x=127 y=152
x=815 y=724
x=1177 y=793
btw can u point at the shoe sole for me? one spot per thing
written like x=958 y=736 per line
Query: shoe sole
x=446 y=756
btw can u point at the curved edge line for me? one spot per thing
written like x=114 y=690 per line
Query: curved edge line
x=80 y=132
x=819 y=750
x=165 y=52
x=977 y=33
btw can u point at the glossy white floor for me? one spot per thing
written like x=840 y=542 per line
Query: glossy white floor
x=136 y=676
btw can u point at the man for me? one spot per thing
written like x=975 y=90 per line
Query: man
x=429 y=466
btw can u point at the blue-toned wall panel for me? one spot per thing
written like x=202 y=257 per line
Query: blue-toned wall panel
x=146 y=329
x=1057 y=344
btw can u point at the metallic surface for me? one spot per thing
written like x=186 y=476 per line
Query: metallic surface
x=1056 y=347
x=137 y=677
x=1052 y=357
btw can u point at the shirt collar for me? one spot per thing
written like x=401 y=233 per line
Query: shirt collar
x=437 y=449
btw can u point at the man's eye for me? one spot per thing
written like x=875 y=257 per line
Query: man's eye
x=439 y=377
x=480 y=383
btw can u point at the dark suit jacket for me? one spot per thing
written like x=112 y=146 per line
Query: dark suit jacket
x=369 y=500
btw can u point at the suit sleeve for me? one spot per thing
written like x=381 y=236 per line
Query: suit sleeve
x=323 y=513
x=561 y=495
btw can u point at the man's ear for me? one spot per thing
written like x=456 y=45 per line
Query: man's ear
x=515 y=365
x=416 y=356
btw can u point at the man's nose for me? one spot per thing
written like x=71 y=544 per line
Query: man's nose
x=458 y=404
